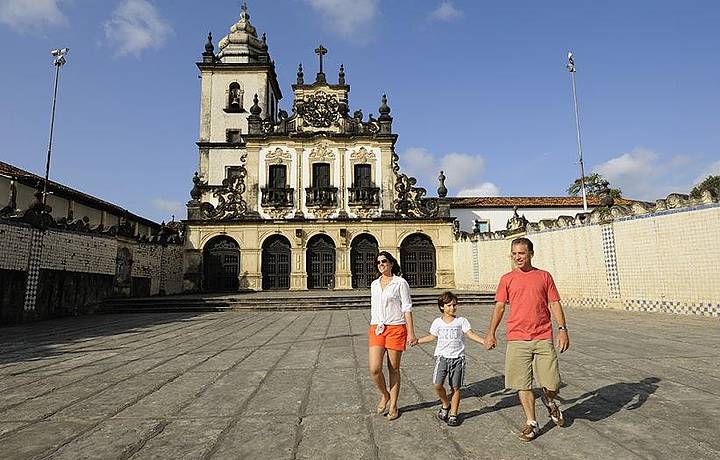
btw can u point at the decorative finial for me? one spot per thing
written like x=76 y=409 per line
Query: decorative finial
x=255 y=109
x=244 y=11
x=209 y=48
x=442 y=190
x=300 y=75
x=321 y=51
x=341 y=75
x=384 y=109
x=264 y=38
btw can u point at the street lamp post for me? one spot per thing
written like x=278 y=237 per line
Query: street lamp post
x=571 y=68
x=58 y=61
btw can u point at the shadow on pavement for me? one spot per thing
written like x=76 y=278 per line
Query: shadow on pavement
x=606 y=401
x=41 y=339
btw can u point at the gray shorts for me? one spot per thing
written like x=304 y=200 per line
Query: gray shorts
x=452 y=368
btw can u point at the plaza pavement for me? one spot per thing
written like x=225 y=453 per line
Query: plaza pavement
x=275 y=385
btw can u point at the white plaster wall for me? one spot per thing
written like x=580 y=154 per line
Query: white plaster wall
x=251 y=82
x=219 y=159
x=673 y=256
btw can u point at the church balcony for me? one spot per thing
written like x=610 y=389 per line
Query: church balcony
x=364 y=196
x=321 y=196
x=277 y=197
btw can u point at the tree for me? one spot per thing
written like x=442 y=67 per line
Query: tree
x=709 y=182
x=595 y=185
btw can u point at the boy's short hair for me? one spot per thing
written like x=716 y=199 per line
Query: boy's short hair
x=446 y=297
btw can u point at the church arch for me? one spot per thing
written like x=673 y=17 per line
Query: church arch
x=363 y=252
x=320 y=262
x=221 y=264
x=417 y=258
x=276 y=263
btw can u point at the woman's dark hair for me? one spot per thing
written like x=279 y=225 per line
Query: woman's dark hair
x=396 y=270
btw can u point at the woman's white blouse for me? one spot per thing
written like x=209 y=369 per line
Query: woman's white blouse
x=387 y=306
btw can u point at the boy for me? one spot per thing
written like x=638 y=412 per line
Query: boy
x=450 y=330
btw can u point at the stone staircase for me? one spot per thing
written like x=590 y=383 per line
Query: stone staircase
x=275 y=300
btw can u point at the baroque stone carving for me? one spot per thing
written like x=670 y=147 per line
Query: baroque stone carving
x=409 y=200
x=278 y=156
x=319 y=110
x=231 y=204
x=362 y=156
x=322 y=153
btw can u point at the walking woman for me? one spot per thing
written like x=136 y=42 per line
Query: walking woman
x=391 y=329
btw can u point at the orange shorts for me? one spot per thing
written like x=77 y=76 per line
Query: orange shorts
x=394 y=337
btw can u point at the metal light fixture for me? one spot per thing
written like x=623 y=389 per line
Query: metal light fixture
x=571 y=68
x=58 y=61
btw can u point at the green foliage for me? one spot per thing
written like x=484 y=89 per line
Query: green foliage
x=709 y=182
x=594 y=186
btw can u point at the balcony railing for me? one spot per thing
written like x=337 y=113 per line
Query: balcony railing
x=364 y=196
x=321 y=196
x=277 y=197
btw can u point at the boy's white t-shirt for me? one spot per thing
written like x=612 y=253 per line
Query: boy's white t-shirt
x=450 y=336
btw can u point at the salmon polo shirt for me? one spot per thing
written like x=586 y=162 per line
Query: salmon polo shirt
x=528 y=294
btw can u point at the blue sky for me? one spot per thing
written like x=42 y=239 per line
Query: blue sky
x=477 y=88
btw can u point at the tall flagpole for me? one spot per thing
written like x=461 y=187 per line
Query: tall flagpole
x=571 y=68
x=58 y=61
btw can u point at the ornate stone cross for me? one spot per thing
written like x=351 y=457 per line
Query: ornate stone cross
x=321 y=51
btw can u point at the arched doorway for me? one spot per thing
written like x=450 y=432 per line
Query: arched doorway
x=417 y=257
x=221 y=261
x=320 y=263
x=362 y=260
x=276 y=263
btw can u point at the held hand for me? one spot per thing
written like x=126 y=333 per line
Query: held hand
x=412 y=340
x=490 y=342
x=562 y=341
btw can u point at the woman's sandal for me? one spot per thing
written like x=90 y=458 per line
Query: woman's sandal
x=393 y=415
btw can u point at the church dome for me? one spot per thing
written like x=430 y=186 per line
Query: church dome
x=242 y=45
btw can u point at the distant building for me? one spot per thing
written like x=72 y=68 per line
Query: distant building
x=491 y=214
x=302 y=200
x=70 y=208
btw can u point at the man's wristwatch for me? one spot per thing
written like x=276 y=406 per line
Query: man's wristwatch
x=562 y=328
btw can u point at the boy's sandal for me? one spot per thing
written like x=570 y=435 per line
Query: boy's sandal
x=453 y=420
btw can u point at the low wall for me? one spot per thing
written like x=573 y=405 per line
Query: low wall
x=53 y=273
x=663 y=259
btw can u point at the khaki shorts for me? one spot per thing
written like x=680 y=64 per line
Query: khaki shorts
x=526 y=359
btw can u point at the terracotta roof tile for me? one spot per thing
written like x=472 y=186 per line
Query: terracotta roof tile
x=527 y=201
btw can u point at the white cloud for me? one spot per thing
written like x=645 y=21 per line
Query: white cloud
x=648 y=175
x=346 y=17
x=446 y=12
x=25 y=15
x=168 y=206
x=135 y=26
x=484 y=189
x=462 y=171
x=712 y=170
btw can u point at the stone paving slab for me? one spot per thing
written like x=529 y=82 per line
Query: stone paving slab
x=294 y=385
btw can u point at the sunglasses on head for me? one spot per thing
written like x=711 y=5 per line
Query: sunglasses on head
x=381 y=261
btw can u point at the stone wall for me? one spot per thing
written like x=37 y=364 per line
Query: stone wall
x=661 y=258
x=57 y=272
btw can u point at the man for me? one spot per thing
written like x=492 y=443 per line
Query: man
x=532 y=296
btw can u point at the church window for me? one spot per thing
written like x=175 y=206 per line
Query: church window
x=235 y=98
x=234 y=171
x=233 y=136
x=362 y=176
x=320 y=175
x=278 y=176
